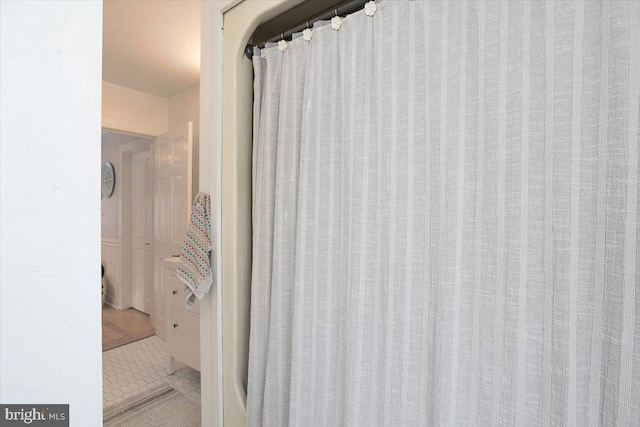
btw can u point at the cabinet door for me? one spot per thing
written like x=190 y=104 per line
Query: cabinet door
x=175 y=294
x=184 y=337
x=167 y=271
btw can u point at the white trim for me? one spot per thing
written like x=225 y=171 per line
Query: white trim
x=225 y=6
x=210 y=173
x=130 y=128
x=217 y=114
x=121 y=131
x=110 y=305
x=110 y=242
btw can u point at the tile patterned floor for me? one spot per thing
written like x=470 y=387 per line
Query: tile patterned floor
x=140 y=366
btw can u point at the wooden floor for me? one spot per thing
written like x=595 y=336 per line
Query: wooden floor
x=120 y=327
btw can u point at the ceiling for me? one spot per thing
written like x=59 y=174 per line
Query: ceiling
x=152 y=45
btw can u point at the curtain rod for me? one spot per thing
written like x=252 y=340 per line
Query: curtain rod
x=343 y=9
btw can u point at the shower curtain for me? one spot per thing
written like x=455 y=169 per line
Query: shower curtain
x=445 y=218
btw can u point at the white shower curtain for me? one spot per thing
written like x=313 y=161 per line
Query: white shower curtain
x=445 y=218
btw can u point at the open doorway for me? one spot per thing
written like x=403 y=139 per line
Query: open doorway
x=127 y=238
x=147 y=190
x=150 y=120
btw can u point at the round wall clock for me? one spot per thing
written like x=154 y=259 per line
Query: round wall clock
x=108 y=179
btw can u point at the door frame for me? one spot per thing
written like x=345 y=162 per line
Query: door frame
x=210 y=174
x=126 y=152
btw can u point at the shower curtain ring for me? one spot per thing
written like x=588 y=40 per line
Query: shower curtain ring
x=307 y=34
x=282 y=44
x=336 y=22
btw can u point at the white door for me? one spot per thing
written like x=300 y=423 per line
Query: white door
x=173 y=197
x=141 y=231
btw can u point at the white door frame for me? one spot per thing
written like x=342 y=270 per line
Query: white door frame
x=126 y=152
x=209 y=181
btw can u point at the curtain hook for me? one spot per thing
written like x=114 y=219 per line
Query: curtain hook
x=336 y=21
x=370 y=8
x=282 y=44
x=307 y=34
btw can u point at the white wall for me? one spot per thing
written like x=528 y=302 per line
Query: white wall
x=50 y=340
x=111 y=248
x=111 y=259
x=133 y=111
x=111 y=143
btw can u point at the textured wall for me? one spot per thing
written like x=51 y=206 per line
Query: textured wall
x=50 y=338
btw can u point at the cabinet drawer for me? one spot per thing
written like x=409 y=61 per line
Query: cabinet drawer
x=175 y=294
x=184 y=335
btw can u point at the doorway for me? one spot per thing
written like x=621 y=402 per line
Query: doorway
x=151 y=90
x=147 y=214
x=127 y=227
x=145 y=219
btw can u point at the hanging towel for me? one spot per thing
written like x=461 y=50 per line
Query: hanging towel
x=194 y=267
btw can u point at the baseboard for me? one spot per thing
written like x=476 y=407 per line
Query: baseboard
x=113 y=304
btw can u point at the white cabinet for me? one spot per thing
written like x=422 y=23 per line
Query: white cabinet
x=183 y=325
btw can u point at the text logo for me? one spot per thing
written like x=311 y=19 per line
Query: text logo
x=34 y=415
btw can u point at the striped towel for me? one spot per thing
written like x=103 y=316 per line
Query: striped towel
x=194 y=267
